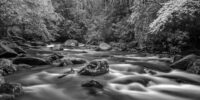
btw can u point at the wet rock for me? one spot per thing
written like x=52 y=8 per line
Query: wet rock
x=185 y=62
x=13 y=89
x=21 y=67
x=71 y=43
x=7 y=67
x=104 y=47
x=92 y=84
x=6 y=52
x=95 y=68
x=30 y=61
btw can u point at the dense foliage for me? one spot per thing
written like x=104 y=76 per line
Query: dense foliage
x=30 y=19
x=153 y=25
x=178 y=25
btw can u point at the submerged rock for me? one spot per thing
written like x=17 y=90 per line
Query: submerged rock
x=92 y=84
x=7 y=67
x=30 y=61
x=93 y=87
x=95 y=68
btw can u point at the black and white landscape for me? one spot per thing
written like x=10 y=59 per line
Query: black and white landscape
x=99 y=50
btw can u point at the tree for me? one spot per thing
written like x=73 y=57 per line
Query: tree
x=144 y=12
x=181 y=17
x=32 y=17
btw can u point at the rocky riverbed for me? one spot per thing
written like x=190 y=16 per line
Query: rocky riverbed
x=128 y=76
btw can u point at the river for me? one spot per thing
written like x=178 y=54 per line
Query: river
x=123 y=82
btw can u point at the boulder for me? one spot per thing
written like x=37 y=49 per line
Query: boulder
x=104 y=47
x=7 y=67
x=95 y=68
x=6 y=52
x=30 y=61
x=71 y=43
x=185 y=62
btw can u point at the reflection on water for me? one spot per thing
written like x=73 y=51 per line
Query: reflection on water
x=122 y=83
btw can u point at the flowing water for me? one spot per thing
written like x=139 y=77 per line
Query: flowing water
x=125 y=81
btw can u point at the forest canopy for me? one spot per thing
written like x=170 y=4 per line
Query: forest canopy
x=152 y=25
